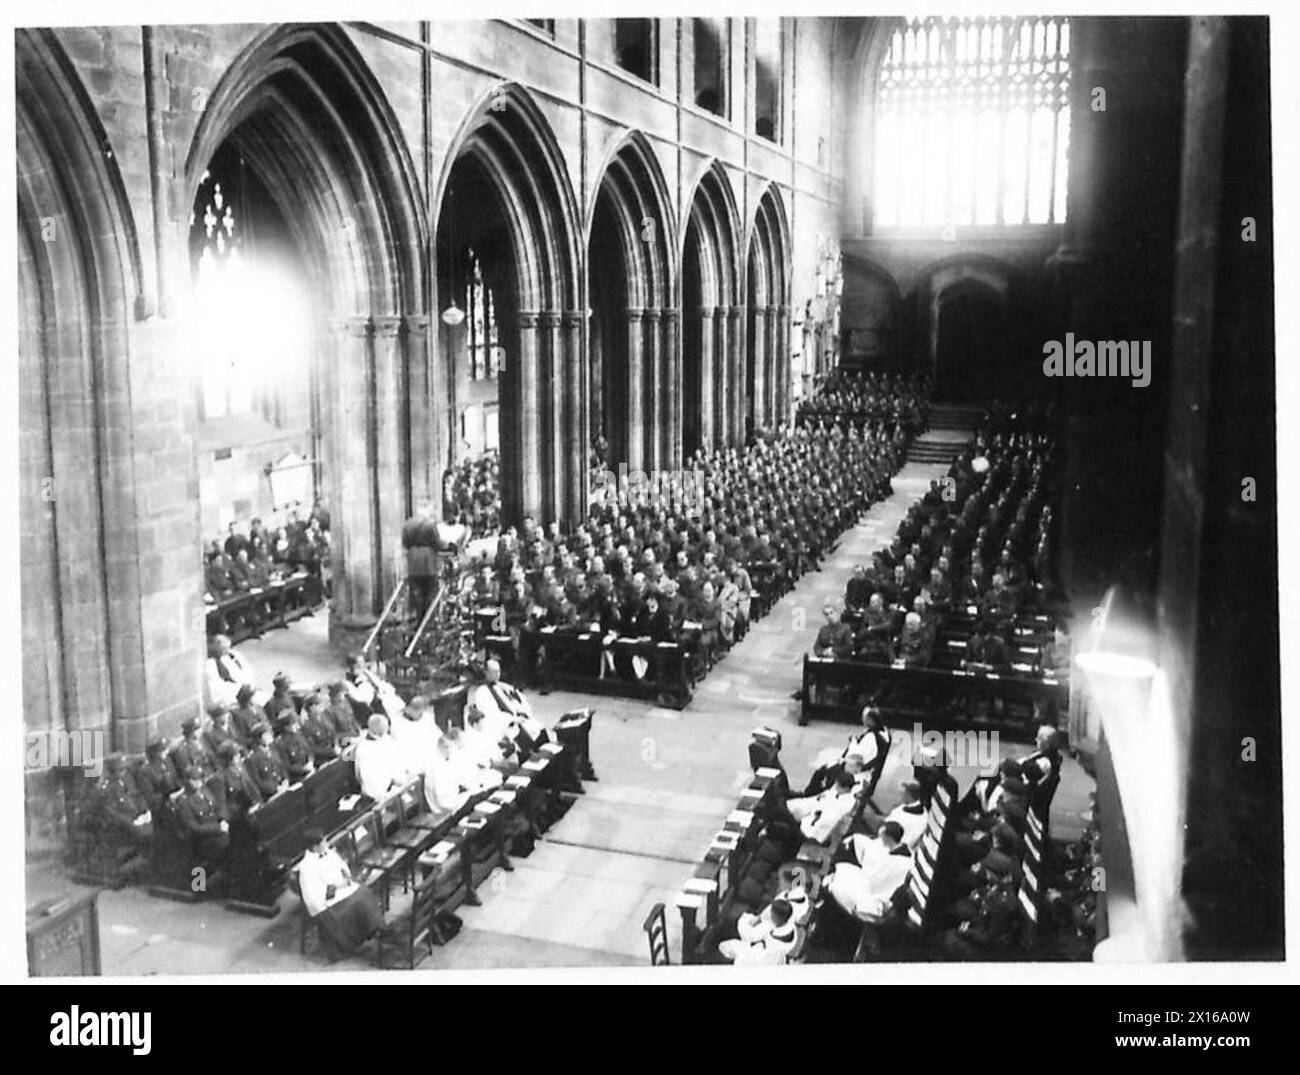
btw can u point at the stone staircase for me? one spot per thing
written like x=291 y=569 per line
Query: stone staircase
x=952 y=426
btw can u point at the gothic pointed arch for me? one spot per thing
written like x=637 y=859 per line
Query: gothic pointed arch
x=505 y=197
x=301 y=108
x=710 y=305
x=632 y=287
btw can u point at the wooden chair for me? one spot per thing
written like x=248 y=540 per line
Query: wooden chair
x=414 y=813
x=350 y=848
x=656 y=930
x=409 y=936
x=372 y=853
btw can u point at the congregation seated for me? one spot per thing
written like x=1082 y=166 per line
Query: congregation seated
x=472 y=494
x=255 y=565
x=688 y=563
x=863 y=396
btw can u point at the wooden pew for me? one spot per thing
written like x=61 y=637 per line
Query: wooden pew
x=933 y=688
x=267 y=841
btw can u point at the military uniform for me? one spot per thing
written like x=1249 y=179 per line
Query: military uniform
x=295 y=754
x=156 y=779
x=193 y=754
x=320 y=739
x=121 y=805
x=266 y=769
x=200 y=816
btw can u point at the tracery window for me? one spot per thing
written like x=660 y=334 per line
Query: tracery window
x=484 y=342
x=972 y=123
x=214 y=255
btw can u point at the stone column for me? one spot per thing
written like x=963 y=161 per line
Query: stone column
x=530 y=402
x=781 y=364
x=655 y=414
x=353 y=552
x=671 y=430
x=736 y=339
x=553 y=432
x=635 y=389
x=758 y=326
x=422 y=451
x=577 y=433
x=708 y=385
x=388 y=476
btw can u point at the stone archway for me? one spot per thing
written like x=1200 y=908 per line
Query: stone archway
x=635 y=360
x=304 y=111
x=711 y=314
x=507 y=152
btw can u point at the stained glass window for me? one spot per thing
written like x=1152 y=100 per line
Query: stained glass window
x=973 y=123
x=484 y=343
x=215 y=255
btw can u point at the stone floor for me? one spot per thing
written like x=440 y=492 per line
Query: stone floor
x=667 y=781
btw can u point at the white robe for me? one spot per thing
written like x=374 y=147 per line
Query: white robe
x=418 y=741
x=865 y=890
x=443 y=790
x=224 y=689
x=316 y=873
x=380 y=766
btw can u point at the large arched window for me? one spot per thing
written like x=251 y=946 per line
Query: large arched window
x=485 y=356
x=972 y=123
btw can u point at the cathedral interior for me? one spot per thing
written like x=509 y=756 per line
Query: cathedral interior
x=284 y=289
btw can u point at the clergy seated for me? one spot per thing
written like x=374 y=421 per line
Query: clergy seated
x=764 y=940
x=456 y=776
x=817 y=815
x=871 y=871
x=416 y=732
x=380 y=764
x=347 y=913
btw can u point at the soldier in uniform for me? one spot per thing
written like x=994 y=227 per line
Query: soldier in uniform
x=280 y=699
x=191 y=752
x=220 y=730
x=294 y=751
x=834 y=637
x=156 y=778
x=204 y=819
x=246 y=715
x=264 y=764
x=318 y=730
x=341 y=713
x=123 y=807
x=239 y=789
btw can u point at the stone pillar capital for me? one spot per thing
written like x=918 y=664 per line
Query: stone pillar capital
x=574 y=318
x=417 y=324
x=653 y=315
x=386 y=325
x=549 y=318
x=356 y=327
x=635 y=313
x=527 y=319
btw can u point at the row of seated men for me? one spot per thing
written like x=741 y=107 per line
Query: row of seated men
x=242 y=756
x=471 y=494
x=240 y=573
x=902 y=599
x=685 y=565
x=859 y=394
x=873 y=860
x=885 y=635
